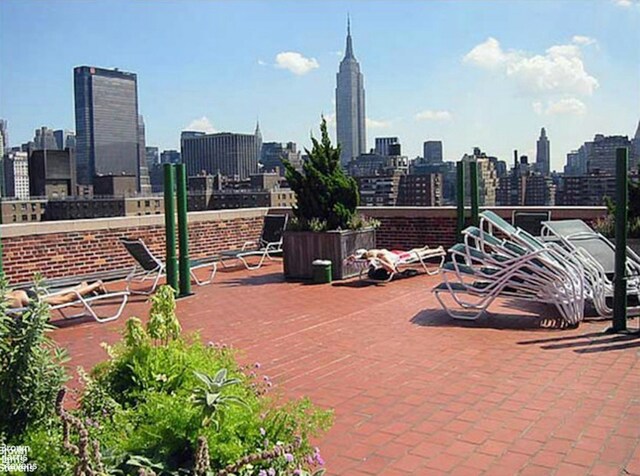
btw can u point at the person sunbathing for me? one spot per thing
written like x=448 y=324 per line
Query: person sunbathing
x=388 y=259
x=20 y=298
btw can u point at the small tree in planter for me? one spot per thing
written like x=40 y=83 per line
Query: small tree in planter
x=326 y=224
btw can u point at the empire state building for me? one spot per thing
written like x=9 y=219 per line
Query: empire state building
x=350 y=117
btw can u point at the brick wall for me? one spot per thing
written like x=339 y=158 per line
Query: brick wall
x=410 y=227
x=82 y=247
x=86 y=251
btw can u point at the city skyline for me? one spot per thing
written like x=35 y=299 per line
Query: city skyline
x=429 y=76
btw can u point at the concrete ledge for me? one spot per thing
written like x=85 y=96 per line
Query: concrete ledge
x=114 y=223
x=557 y=213
x=44 y=228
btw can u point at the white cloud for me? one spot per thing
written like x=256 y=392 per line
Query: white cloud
x=571 y=106
x=295 y=62
x=627 y=3
x=262 y=63
x=583 y=40
x=561 y=107
x=430 y=115
x=374 y=124
x=560 y=70
x=202 y=124
x=487 y=55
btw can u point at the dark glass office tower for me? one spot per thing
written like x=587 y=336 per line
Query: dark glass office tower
x=106 y=104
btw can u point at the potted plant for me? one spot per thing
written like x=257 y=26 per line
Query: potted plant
x=325 y=222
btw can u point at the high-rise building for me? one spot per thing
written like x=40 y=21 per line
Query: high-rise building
x=601 y=153
x=379 y=190
x=65 y=139
x=543 y=153
x=273 y=153
x=16 y=174
x=445 y=169
x=152 y=156
x=170 y=157
x=52 y=173
x=350 y=110
x=635 y=149
x=106 y=109
x=487 y=176
x=432 y=151
x=367 y=165
x=383 y=143
x=44 y=139
x=587 y=190
x=4 y=132
x=230 y=154
x=144 y=183
x=420 y=190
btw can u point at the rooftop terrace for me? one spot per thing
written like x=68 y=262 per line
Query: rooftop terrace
x=415 y=392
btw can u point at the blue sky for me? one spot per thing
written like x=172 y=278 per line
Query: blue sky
x=470 y=73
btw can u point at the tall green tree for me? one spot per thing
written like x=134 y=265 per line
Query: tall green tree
x=324 y=193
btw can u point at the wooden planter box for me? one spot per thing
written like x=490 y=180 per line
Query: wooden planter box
x=301 y=248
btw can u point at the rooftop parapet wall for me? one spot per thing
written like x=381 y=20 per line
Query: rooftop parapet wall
x=81 y=247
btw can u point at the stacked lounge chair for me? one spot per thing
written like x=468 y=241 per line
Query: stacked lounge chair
x=498 y=259
x=597 y=255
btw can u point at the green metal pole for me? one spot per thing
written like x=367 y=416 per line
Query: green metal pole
x=473 y=179
x=170 y=226
x=619 y=323
x=460 y=198
x=183 y=232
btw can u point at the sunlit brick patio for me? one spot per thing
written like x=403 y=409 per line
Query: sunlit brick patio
x=415 y=392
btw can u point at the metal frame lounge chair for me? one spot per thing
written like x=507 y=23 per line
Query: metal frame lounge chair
x=597 y=254
x=149 y=267
x=479 y=277
x=87 y=302
x=269 y=244
x=406 y=260
x=516 y=265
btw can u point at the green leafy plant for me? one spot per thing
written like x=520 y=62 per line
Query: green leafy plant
x=210 y=398
x=327 y=198
x=31 y=367
x=168 y=404
x=163 y=324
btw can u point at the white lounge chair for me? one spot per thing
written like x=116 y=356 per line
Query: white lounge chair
x=597 y=254
x=416 y=258
x=516 y=265
x=87 y=303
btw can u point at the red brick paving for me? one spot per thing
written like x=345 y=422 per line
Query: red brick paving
x=413 y=391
